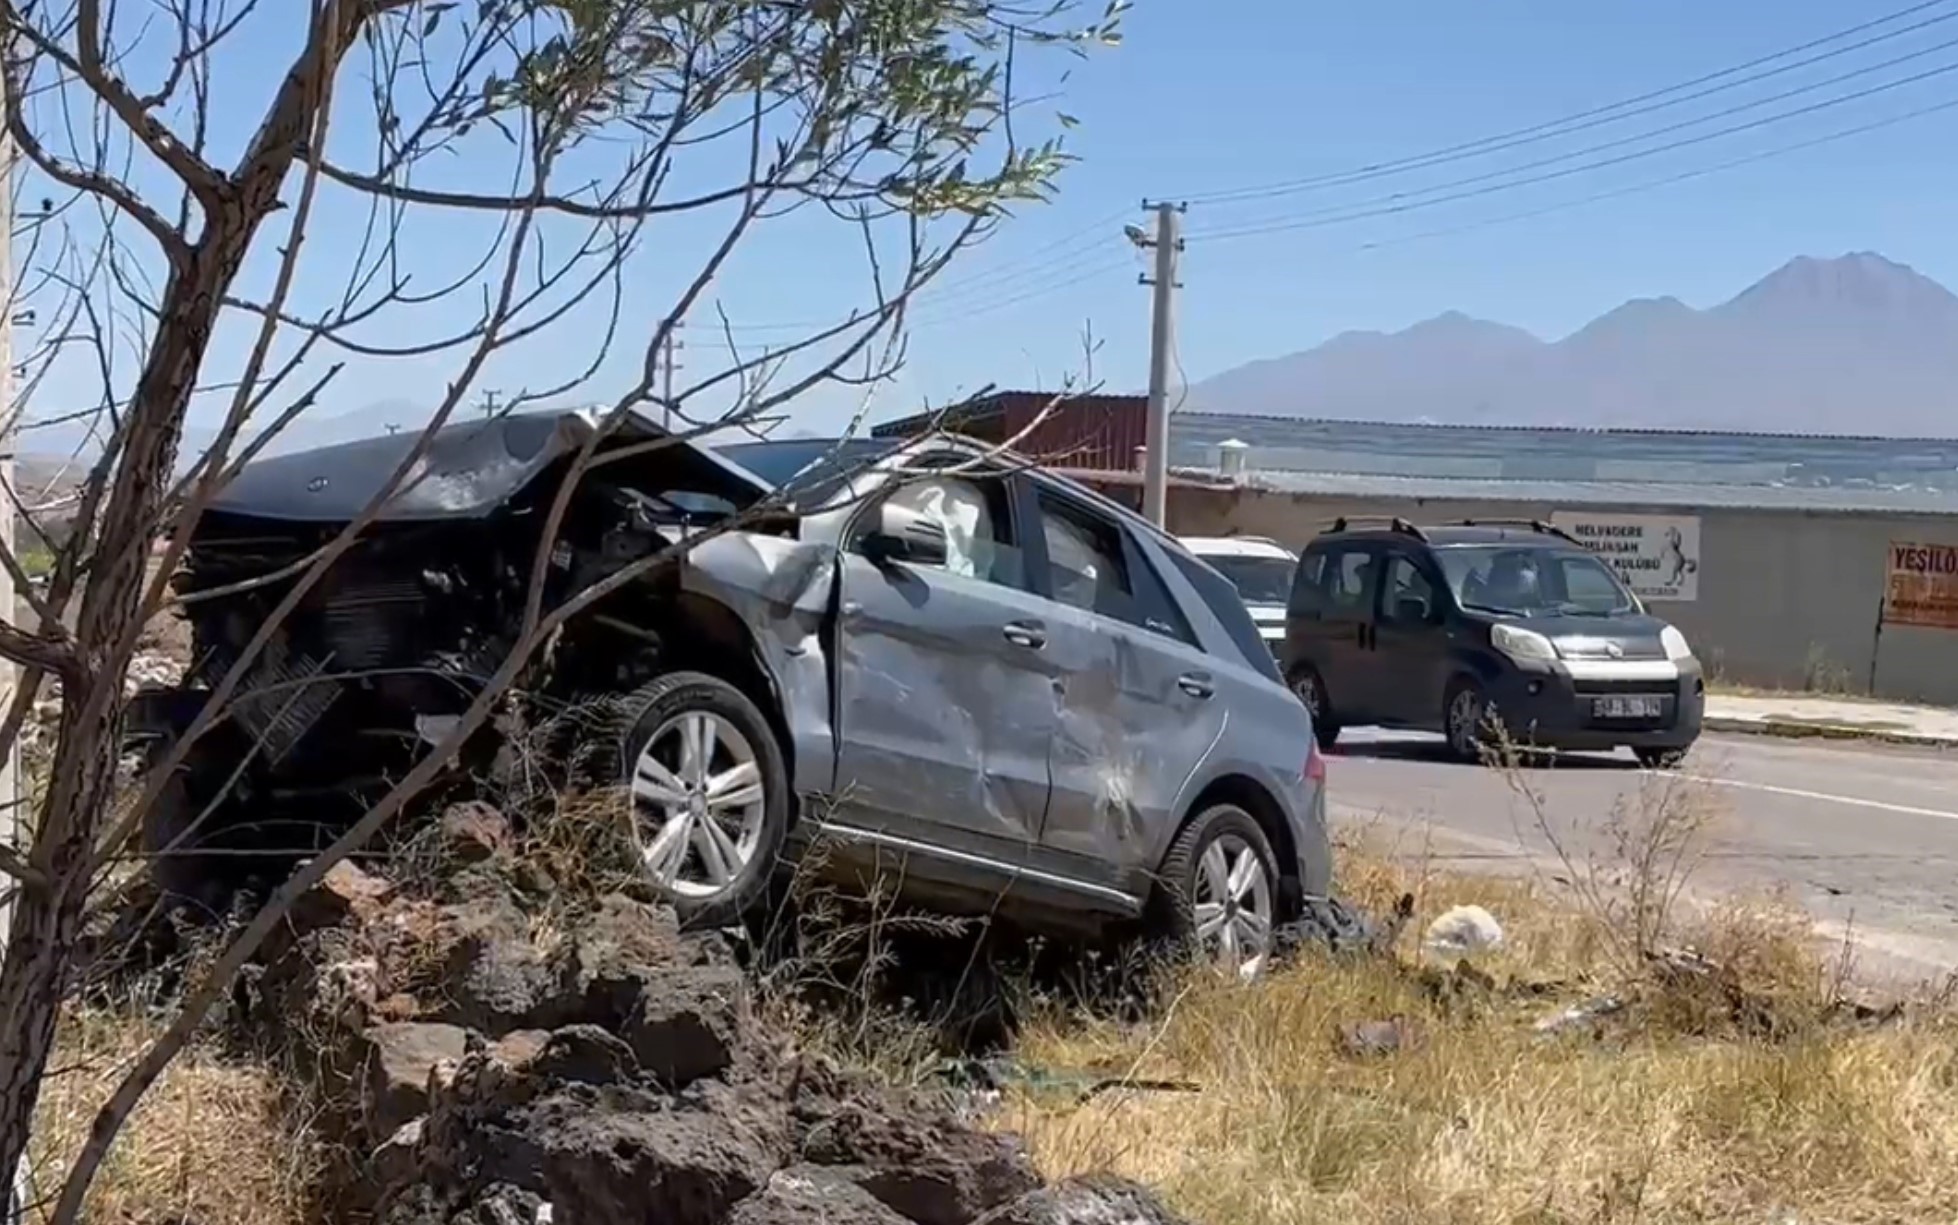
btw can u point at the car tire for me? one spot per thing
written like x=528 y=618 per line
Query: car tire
x=1209 y=910
x=1464 y=712
x=1660 y=758
x=707 y=832
x=1310 y=689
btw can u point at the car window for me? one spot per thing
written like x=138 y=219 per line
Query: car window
x=1533 y=579
x=1087 y=566
x=1591 y=586
x=1260 y=580
x=1348 y=582
x=1225 y=604
x=1308 y=592
x=976 y=517
x=1409 y=597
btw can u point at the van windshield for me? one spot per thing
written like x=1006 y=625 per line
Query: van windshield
x=1532 y=580
x=1259 y=580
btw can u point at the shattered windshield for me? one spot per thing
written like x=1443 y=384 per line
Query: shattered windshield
x=1531 y=580
x=813 y=467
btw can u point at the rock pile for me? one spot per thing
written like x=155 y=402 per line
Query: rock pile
x=485 y=1065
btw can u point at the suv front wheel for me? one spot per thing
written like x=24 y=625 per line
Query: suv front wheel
x=1220 y=885
x=709 y=791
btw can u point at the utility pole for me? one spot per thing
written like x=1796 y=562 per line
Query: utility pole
x=1168 y=243
x=490 y=396
x=669 y=361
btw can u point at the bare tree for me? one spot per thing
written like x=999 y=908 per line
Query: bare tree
x=490 y=181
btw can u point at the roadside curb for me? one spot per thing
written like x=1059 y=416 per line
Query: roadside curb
x=1797 y=729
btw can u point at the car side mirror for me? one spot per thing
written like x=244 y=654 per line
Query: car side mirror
x=1411 y=612
x=904 y=535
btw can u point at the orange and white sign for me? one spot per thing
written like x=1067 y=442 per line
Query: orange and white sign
x=1922 y=585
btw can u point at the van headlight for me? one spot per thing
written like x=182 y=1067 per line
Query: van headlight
x=1521 y=645
x=1677 y=648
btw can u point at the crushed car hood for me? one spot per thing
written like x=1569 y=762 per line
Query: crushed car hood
x=468 y=471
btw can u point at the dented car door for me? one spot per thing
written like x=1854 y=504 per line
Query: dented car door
x=945 y=689
x=1139 y=710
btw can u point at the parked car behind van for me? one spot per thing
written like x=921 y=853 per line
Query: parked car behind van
x=1261 y=569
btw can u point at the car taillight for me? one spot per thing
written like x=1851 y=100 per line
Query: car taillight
x=1315 y=764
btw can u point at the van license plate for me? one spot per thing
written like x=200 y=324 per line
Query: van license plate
x=1626 y=707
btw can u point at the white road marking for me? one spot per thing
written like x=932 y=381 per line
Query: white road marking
x=1909 y=810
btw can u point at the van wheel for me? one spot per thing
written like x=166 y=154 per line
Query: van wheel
x=1220 y=890
x=1311 y=690
x=709 y=791
x=1466 y=714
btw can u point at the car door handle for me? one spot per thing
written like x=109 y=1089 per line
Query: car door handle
x=1196 y=684
x=1025 y=634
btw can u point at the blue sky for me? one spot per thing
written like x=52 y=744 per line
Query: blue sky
x=1209 y=98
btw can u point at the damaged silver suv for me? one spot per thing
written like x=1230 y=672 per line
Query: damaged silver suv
x=977 y=680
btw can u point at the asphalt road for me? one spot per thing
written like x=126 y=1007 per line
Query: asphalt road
x=1864 y=836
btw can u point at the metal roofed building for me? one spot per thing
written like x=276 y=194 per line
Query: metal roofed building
x=1790 y=544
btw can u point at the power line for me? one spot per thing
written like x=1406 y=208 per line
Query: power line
x=1634 y=138
x=1669 y=180
x=961 y=316
x=1000 y=276
x=931 y=302
x=1596 y=116
x=1316 y=221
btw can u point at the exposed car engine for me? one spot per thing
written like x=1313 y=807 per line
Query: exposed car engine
x=398 y=636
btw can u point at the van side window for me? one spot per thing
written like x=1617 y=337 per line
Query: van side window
x=1409 y=598
x=1348 y=583
x=1308 y=591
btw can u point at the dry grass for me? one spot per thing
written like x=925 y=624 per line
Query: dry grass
x=1674 y=1112
x=1682 y=1107
x=214 y=1143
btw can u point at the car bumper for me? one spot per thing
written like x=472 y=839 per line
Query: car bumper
x=1315 y=856
x=1636 y=704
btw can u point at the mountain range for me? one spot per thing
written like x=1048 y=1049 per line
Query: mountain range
x=1854 y=345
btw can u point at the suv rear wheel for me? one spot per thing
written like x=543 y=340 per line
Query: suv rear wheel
x=1220 y=885
x=710 y=795
x=1311 y=690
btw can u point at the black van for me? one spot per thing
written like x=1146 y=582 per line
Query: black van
x=1464 y=628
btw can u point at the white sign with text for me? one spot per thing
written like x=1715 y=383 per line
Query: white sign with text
x=1658 y=556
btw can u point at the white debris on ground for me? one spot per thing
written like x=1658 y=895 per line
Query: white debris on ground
x=1462 y=931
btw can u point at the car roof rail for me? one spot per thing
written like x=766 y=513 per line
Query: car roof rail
x=1394 y=523
x=1535 y=525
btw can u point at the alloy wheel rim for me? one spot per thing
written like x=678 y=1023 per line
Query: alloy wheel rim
x=698 y=804
x=1306 y=688
x=1462 y=718
x=1233 y=906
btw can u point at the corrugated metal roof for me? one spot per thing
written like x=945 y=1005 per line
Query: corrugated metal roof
x=1611 y=493
x=1267 y=420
